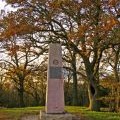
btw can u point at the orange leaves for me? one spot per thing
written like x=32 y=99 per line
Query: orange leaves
x=72 y=36
x=24 y=29
x=14 y=1
x=109 y=82
x=87 y=3
x=13 y=50
x=7 y=85
x=69 y=5
x=17 y=29
x=112 y=2
x=16 y=24
x=81 y=30
x=8 y=25
x=10 y=32
x=78 y=33
x=55 y=4
x=112 y=86
x=109 y=23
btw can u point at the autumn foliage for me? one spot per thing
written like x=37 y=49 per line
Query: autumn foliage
x=85 y=28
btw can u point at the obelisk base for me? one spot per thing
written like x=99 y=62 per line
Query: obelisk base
x=65 y=116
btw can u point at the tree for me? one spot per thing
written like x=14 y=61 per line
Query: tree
x=19 y=63
x=111 y=96
x=36 y=84
x=111 y=59
x=88 y=22
x=70 y=58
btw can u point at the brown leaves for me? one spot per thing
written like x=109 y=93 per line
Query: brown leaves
x=112 y=2
x=13 y=50
x=109 y=82
x=109 y=23
x=87 y=3
x=13 y=29
x=15 y=2
x=78 y=33
x=16 y=30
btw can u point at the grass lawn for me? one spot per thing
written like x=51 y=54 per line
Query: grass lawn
x=15 y=113
x=92 y=115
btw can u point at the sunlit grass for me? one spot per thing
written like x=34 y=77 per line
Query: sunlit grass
x=92 y=115
x=16 y=113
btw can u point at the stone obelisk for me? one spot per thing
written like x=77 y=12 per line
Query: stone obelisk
x=55 y=82
x=54 y=109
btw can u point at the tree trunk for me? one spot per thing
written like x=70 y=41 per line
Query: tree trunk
x=117 y=100
x=117 y=91
x=21 y=94
x=74 y=90
x=93 y=87
x=37 y=99
x=117 y=78
x=93 y=94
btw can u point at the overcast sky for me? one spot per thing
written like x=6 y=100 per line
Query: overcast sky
x=4 y=6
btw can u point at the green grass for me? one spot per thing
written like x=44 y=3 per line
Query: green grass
x=16 y=113
x=92 y=115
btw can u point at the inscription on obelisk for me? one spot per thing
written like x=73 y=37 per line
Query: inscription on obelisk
x=55 y=82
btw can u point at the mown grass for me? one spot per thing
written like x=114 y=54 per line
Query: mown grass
x=16 y=113
x=92 y=115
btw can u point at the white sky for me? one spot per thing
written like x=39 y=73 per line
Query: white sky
x=4 y=6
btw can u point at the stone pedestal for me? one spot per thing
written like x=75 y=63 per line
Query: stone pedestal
x=46 y=116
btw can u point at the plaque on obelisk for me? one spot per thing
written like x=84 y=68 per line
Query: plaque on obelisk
x=55 y=82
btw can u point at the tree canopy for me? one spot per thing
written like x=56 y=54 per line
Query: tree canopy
x=85 y=28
